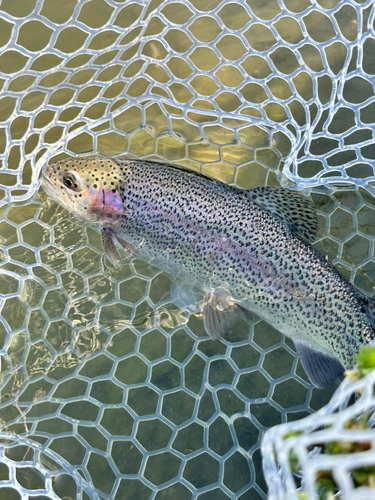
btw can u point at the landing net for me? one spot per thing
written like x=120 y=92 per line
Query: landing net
x=110 y=388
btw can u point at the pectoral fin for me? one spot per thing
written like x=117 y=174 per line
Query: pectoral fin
x=126 y=246
x=321 y=368
x=219 y=313
x=109 y=247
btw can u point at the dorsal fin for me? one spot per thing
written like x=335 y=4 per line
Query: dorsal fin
x=291 y=207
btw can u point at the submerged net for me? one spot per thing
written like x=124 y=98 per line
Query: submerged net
x=110 y=388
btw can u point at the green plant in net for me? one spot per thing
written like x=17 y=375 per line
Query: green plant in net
x=326 y=486
x=366 y=360
x=325 y=483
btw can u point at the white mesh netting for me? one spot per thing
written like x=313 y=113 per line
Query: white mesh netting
x=109 y=390
x=333 y=448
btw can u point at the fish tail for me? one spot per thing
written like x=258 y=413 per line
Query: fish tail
x=369 y=307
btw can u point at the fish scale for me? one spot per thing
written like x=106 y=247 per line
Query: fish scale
x=242 y=246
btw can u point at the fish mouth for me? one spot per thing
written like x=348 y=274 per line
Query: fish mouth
x=52 y=191
x=63 y=200
x=55 y=194
x=48 y=187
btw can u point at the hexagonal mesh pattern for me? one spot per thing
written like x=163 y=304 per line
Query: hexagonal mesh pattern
x=110 y=388
x=332 y=448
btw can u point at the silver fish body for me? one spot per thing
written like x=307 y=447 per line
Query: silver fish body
x=230 y=245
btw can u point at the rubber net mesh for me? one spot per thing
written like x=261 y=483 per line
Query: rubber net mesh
x=335 y=443
x=110 y=388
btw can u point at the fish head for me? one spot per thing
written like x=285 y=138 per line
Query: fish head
x=89 y=188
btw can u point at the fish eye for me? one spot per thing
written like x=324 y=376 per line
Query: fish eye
x=70 y=181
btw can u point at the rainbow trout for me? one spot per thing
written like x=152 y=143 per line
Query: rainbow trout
x=248 y=251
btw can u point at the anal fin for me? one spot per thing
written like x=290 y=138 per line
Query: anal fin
x=219 y=313
x=322 y=369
